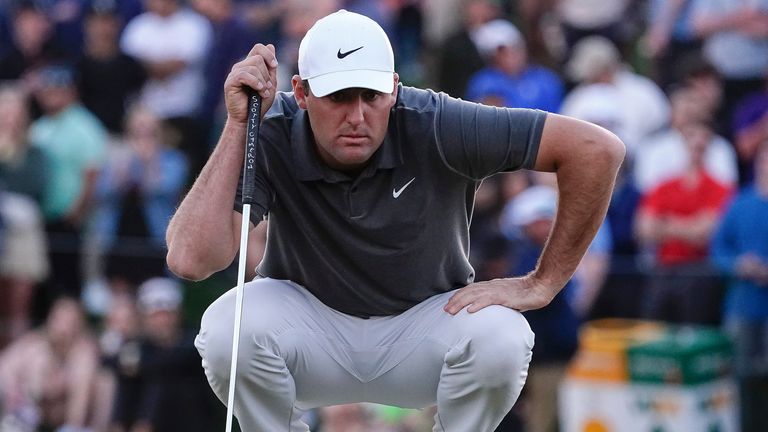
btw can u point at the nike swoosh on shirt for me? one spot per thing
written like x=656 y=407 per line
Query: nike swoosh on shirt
x=341 y=55
x=396 y=192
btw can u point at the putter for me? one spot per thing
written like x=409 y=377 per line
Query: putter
x=248 y=186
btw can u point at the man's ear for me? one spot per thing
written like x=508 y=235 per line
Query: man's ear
x=298 y=92
x=396 y=78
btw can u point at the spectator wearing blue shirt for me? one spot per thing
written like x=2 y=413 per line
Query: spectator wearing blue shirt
x=740 y=248
x=528 y=219
x=136 y=195
x=510 y=80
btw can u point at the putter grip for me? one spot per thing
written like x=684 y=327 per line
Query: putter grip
x=251 y=138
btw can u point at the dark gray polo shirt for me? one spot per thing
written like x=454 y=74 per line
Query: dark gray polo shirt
x=398 y=233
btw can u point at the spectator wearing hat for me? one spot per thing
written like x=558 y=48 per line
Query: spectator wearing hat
x=644 y=108
x=160 y=379
x=528 y=220
x=510 y=80
x=74 y=142
x=118 y=339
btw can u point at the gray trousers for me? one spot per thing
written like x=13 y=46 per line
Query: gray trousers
x=296 y=354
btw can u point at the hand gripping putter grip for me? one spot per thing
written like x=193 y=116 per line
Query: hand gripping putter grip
x=248 y=186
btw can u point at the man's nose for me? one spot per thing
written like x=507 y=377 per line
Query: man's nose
x=356 y=111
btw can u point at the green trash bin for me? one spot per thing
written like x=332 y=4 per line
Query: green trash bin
x=681 y=355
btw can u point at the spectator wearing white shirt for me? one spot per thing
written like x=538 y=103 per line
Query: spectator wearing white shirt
x=171 y=41
x=644 y=109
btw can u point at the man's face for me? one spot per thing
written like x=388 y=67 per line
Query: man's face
x=31 y=29
x=54 y=99
x=161 y=7
x=348 y=125
x=511 y=59
x=102 y=27
x=161 y=326
x=697 y=137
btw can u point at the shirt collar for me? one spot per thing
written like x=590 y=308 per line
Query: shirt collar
x=310 y=167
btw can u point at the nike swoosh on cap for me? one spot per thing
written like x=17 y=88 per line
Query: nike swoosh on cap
x=341 y=55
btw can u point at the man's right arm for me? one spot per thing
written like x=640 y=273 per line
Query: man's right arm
x=204 y=234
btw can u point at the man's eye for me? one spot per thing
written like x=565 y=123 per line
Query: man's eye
x=370 y=95
x=338 y=96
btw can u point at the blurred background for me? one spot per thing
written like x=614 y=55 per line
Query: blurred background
x=109 y=108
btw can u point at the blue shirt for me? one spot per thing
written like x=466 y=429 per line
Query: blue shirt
x=536 y=87
x=160 y=188
x=743 y=230
x=556 y=325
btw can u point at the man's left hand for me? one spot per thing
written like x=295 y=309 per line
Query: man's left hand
x=521 y=294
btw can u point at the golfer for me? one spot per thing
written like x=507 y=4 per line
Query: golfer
x=365 y=292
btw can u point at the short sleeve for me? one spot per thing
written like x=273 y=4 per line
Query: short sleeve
x=477 y=141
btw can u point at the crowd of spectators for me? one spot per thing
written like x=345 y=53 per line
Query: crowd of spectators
x=109 y=108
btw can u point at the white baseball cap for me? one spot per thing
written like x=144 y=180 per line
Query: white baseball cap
x=346 y=50
x=494 y=34
x=591 y=56
x=159 y=294
x=538 y=202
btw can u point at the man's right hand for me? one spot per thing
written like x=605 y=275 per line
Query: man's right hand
x=257 y=71
x=750 y=267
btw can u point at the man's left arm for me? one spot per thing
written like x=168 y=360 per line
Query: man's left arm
x=586 y=159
